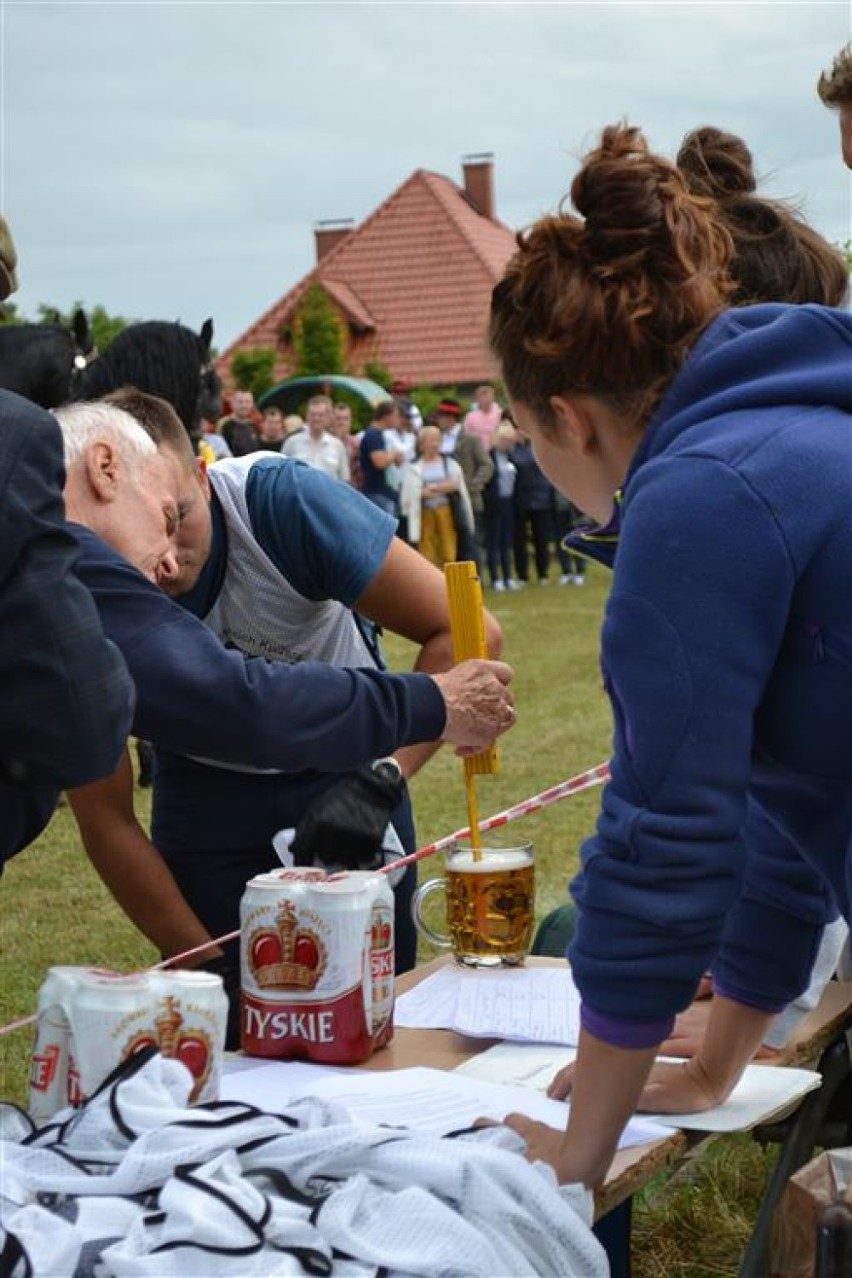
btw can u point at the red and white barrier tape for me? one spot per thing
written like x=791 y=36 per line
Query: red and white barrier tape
x=574 y=785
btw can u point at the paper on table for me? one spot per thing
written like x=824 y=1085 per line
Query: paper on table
x=428 y=1100
x=539 y=1005
x=763 y=1090
x=431 y=1003
x=535 y=1005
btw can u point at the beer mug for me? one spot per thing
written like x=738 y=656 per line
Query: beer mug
x=490 y=905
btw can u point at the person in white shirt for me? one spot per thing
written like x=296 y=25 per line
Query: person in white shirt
x=317 y=445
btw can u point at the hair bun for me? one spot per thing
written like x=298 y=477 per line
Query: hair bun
x=716 y=164
x=619 y=192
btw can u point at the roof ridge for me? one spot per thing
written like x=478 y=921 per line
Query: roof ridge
x=313 y=274
x=472 y=243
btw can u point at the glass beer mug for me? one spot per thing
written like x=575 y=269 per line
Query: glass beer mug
x=490 y=905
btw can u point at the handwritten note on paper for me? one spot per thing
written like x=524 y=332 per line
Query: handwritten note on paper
x=532 y=1005
x=431 y=1004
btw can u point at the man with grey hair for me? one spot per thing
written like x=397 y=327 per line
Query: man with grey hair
x=121 y=487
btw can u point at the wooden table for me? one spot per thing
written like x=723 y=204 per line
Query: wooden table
x=442 y=1049
x=632 y=1168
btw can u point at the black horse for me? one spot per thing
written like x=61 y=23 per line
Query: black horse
x=161 y=358
x=41 y=361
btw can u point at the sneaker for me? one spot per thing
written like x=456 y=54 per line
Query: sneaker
x=511 y=584
x=579 y=579
x=543 y=581
x=499 y=585
x=565 y=578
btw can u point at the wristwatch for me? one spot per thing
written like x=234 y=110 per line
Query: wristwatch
x=388 y=770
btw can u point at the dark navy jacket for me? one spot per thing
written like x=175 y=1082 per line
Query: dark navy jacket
x=67 y=699
x=725 y=835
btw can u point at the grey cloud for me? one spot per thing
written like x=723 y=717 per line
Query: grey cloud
x=169 y=159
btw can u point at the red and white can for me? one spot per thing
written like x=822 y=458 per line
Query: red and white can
x=317 y=965
x=382 y=966
x=91 y=1021
x=52 y=1069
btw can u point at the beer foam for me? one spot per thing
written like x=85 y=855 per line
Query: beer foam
x=492 y=860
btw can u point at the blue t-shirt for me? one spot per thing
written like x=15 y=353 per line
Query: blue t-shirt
x=374 y=479
x=321 y=535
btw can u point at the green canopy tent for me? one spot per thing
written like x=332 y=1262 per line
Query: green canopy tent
x=293 y=391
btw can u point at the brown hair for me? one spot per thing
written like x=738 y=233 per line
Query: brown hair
x=777 y=256
x=610 y=302
x=835 y=89
x=157 y=418
x=385 y=408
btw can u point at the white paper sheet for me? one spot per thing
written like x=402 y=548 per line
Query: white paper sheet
x=763 y=1091
x=429 y=1100
x=535 y=1005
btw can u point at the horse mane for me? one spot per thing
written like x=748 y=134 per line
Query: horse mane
x=161 y=358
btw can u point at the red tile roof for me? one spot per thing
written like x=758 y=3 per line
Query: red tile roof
x=413 y=281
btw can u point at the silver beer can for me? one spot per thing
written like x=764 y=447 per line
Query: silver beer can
x=53 y=1072
x=181 y=1013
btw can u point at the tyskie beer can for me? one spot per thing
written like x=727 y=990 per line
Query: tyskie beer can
x=382 y=966
x=53 y=1072
x=90 y=1021
x=181 y=1013
x=307 y=958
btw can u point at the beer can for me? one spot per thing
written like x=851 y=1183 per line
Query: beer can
x=382 y=966
x=306 y=947
x=53 y=1073
x=191 y=1024
x=181 y=1013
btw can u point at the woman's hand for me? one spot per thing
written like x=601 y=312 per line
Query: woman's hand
x=682 y=1088
x=546 y=1145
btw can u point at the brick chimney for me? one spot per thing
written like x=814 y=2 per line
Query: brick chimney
x=327 y=235
x=479 y=182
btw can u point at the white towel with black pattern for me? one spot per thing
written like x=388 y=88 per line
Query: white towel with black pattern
x=138 y=1185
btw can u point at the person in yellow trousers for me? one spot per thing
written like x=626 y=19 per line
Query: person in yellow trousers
x=435 y=500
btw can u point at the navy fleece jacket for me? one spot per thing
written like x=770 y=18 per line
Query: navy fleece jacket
x=725 y=834
x=194 y=696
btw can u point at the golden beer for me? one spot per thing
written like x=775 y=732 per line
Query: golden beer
x=490 y=905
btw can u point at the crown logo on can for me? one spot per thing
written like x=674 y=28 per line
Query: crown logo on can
x=190 y=1047
x=288 y=956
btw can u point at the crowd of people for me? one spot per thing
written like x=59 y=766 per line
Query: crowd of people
x=465 y=486
x=676 y=360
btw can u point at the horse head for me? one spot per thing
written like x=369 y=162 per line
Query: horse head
x=40 y=361
x=161 y=358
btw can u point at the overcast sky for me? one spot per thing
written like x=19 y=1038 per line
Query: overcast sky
x=169 y=160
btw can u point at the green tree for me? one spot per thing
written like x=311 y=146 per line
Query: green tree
x=103 y=326
x=252 y=370
x=319 y=339
x=378 y=372
x=427 y=398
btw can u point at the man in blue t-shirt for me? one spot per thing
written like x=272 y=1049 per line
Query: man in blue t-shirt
x=380 y=463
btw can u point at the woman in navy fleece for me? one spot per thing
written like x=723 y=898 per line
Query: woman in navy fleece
x=725 y=836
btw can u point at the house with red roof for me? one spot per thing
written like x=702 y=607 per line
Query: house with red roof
x=411 y=283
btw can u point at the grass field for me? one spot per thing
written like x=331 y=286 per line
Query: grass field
x=55 y=909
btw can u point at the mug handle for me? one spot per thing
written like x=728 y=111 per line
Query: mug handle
x=436 y=938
